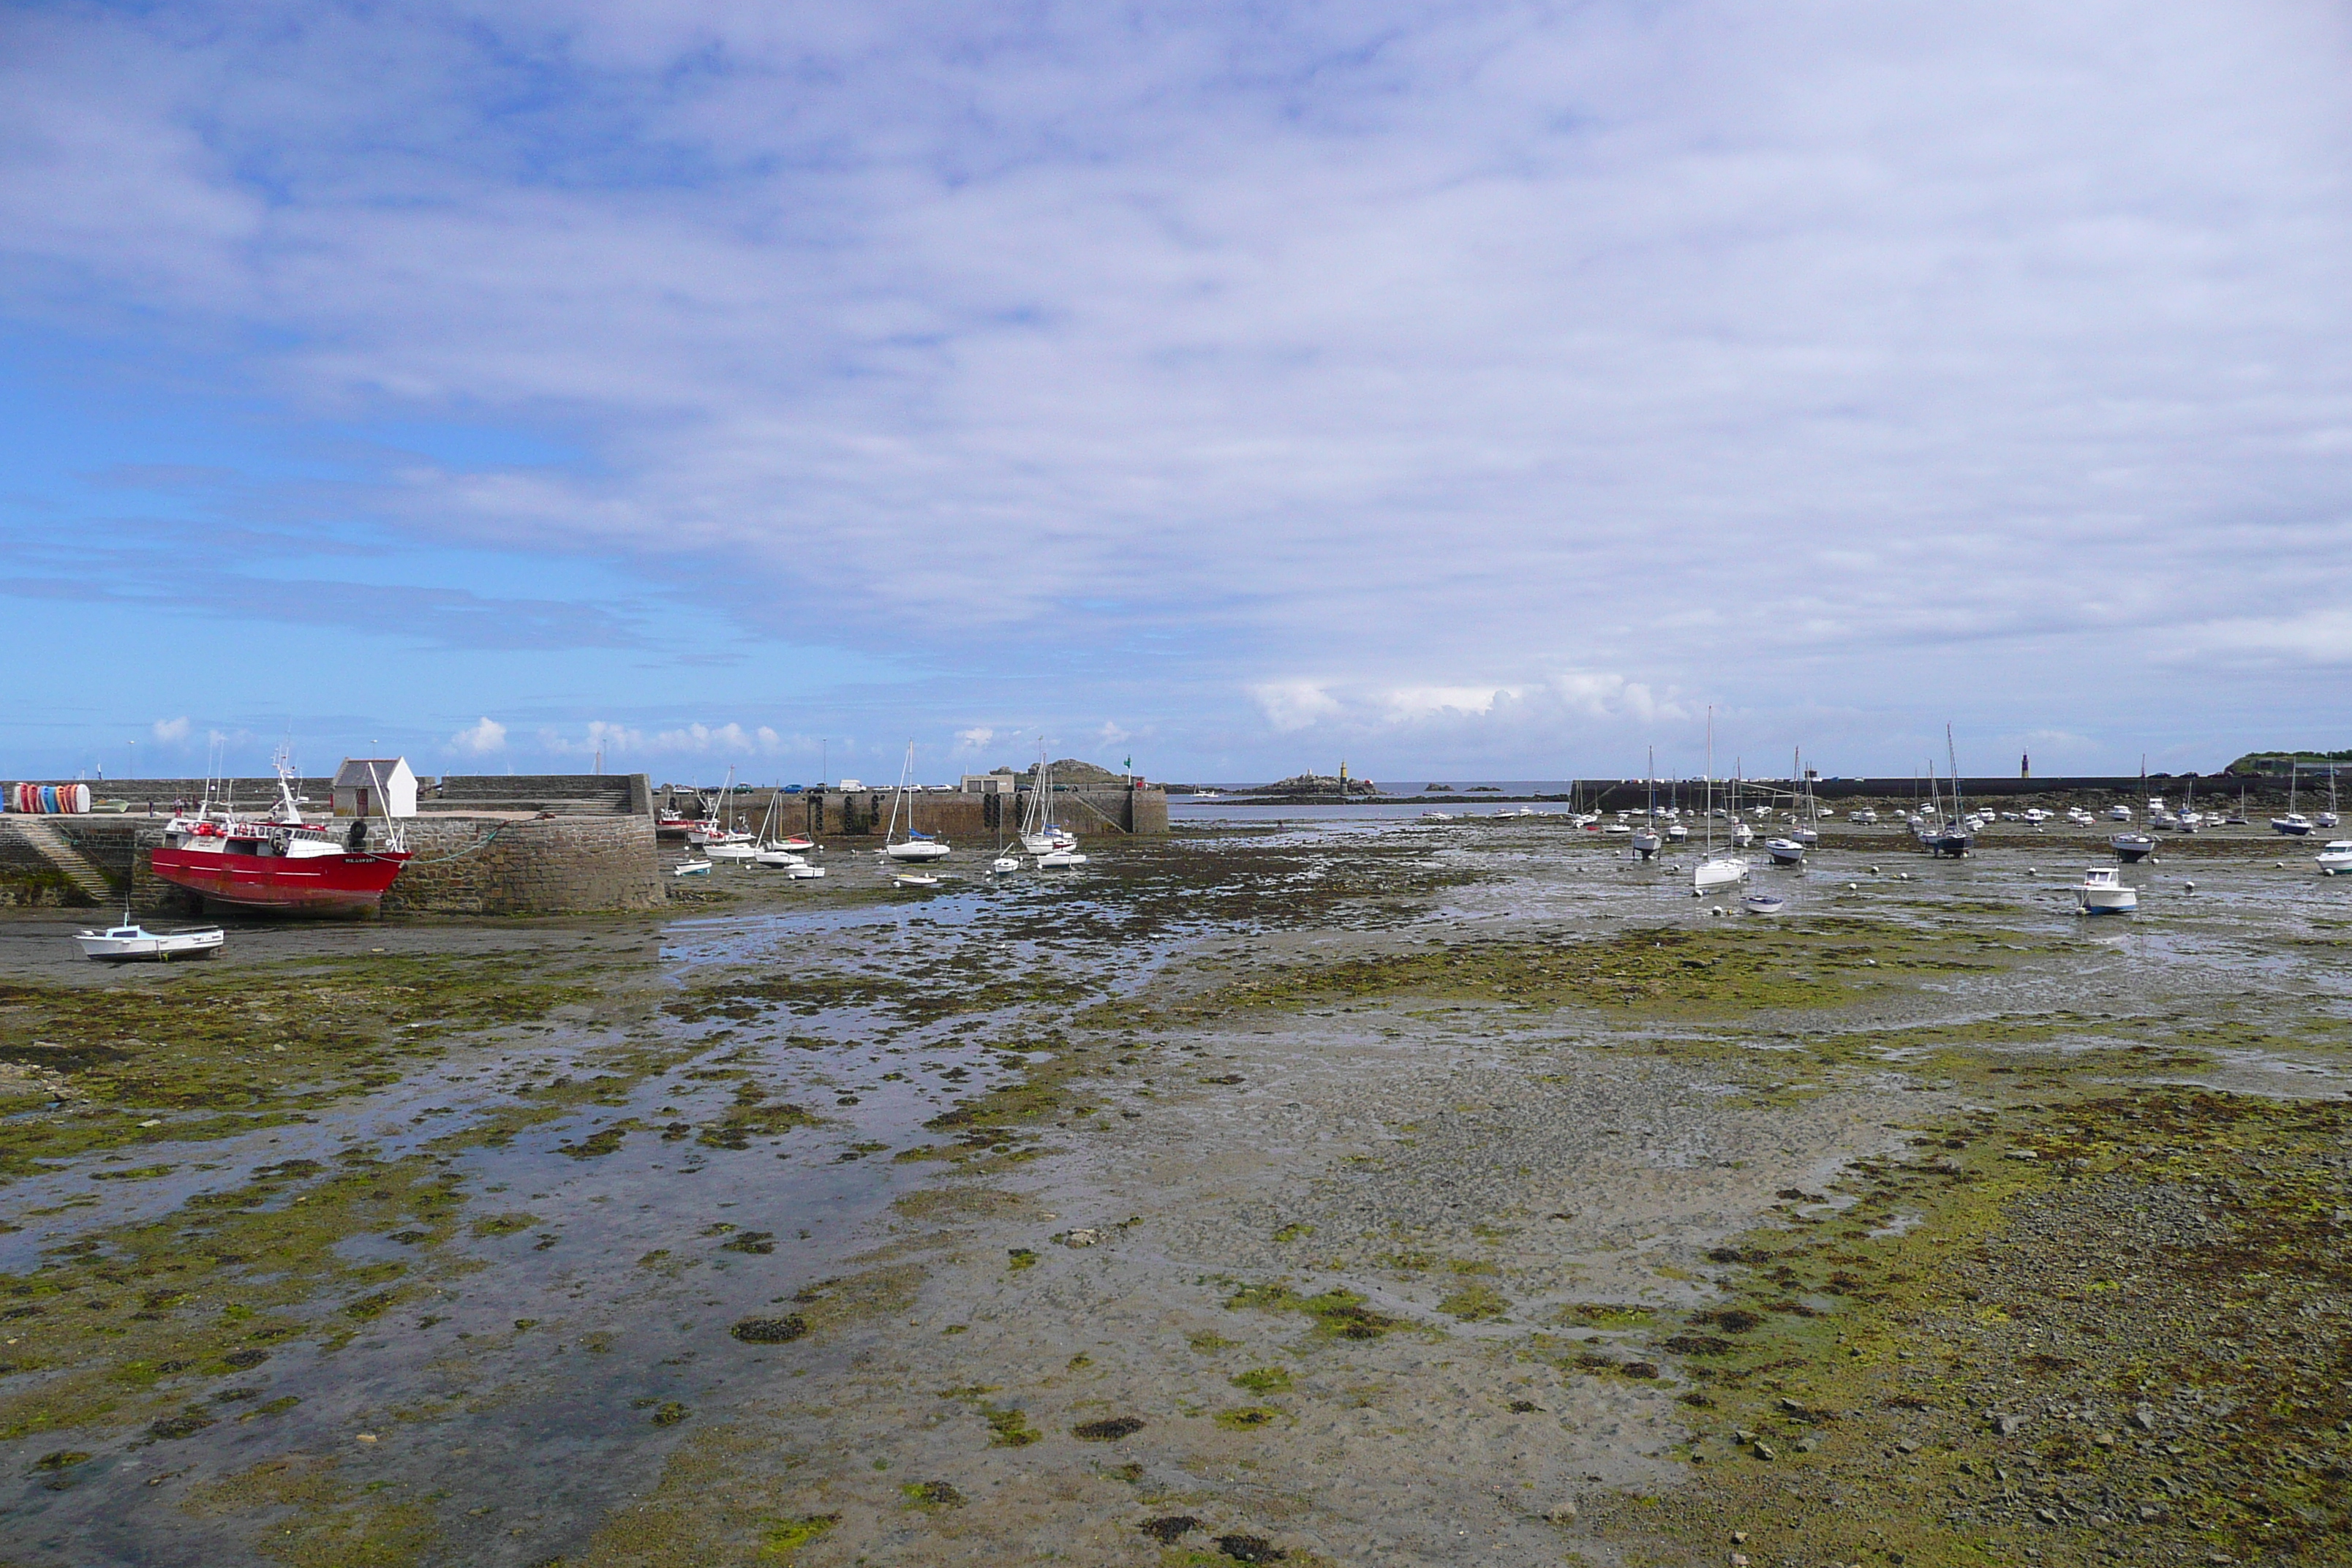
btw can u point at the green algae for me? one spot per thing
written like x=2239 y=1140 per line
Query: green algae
x=211 y=1057
x=157 y=1308
x=1338 y=1313
x=2124 y=1344
x=309 y=1516
x=1665 y=971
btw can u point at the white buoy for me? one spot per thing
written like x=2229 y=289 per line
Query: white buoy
x=1850 y=887
x=2191 y=887
x=1874 y=870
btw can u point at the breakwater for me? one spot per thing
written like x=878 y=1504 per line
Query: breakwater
x=1115 y=810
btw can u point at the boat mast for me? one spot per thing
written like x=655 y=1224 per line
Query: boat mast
x=1952 y=755
x=1710 y=784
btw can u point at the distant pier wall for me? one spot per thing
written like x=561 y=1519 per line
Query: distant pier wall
x=1113 y=812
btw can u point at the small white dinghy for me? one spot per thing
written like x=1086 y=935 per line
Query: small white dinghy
x=692 y=869
x=775 y=859
x=1003 y=866
x=1059 y=859
x=137 y=944
x=1785 y=851
x=802 y=872
x=2103 y=891
x=1758 y=901
x=2336 y=859
x=914 y=879
x=730 y=851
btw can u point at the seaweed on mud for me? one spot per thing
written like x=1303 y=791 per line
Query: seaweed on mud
x=1338 y=1313
x=210 y=1286
x=1110 y=1430
x=1262 y=1379
x=787 y=1536
x=932 y=1494
x=2124 y=1346
x=217 y=1055
x=1170 y=1528
x=1248 y=1417
x=1008 y=1427
x=1663 y=971
x=1474 y=1303
x=770 y=1331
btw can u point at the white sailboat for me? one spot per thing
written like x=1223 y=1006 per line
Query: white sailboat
x=2294 y=824
x=1715 y=871
x=1646 y=842
x=915 y=847
x=1040 y=835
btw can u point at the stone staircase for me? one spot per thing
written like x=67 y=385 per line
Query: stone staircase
x=45 y=840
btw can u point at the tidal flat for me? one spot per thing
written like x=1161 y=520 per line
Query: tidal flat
x=1355 y=1193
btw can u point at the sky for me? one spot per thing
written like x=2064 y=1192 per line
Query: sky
x=1469 y=390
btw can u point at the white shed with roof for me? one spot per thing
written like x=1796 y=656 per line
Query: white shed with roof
x=375 y=786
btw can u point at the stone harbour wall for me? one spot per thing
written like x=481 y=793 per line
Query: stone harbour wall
x=463 y=866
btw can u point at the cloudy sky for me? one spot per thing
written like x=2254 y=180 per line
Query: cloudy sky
x=1473 y=389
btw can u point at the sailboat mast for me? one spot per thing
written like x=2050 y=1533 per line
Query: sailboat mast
x=1952 y=757
x=1710 y=782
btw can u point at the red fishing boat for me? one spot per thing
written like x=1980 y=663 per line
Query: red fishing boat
x=279 y=861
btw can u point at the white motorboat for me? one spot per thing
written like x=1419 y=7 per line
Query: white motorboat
x=1865 y=817
x=131 y=943
x=916 y=846
x=1761 y=903
x=1785 y=851
x=1677 y=833
x=914 y=879
x=776 y=858
x=1059 y=859
x=2119 y=814
x=804 y=871
x=1003 y=866
x=2103 y=891
x=692 y=869
x=737 y=851
x=2036 y=815
x=2336 y=859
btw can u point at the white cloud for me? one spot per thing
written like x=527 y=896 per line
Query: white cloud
x=481 y=737
x=975 y=738
x=1782 y=356
x=1408 y=703
x=172 y=731
x=1294 y=704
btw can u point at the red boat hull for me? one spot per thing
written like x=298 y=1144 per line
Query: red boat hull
x=322 y=884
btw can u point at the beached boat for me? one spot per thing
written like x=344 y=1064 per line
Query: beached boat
x=2131 y=848
x=1785 y=851
x=692 y=869
x=132 y=943
x=2103 y=891
x=279 y=861
x=1040 y=834
x=2294 y=824
x=914 y=879
x=1060 y=860
x=1759 y=902
x=1954 y=834
x=1647 y=839
x=915 y=847
x=2336 y=859
x=1715 y=871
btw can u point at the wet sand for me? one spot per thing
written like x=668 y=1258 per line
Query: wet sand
x=1371 y=1193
